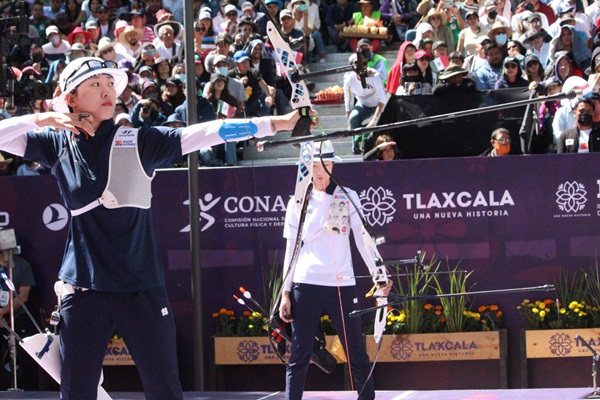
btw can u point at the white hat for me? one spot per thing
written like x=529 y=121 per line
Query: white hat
x=324 y=151
x=229 y=8
x=122 y=116
x=83 y=68
x=52 y=29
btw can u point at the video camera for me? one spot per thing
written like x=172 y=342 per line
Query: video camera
x=14 y=31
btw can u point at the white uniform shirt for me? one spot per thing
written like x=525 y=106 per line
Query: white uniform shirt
x=325 y=257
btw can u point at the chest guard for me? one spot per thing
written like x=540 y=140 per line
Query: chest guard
x=128 y=184
x=339 y=214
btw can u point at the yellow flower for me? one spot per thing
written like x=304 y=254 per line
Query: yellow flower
x=402 y=317
x=535 y=310
x=542 y=313
x=563 y=310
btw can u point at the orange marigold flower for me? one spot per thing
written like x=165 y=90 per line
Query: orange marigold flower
x=247 y=313
x=442 y=319
x=482 y=309
x=230 y=313
x=548 y=301
x=438 y=307
x=222 y=311
x=428 y=306
x=499 y=314
x=494 y=307
x=438 y=313
x=216 y=315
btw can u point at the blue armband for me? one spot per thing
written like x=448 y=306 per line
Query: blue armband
x=237 y=130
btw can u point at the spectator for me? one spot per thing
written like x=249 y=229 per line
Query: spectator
x=437 y=19
x=79 y=35
x=37 y=59
x=28 y=168
x=454 y=80
x=565 y=116
x=512 y=76
x=402 y=16
x=489 y=14
x=385 y=150
x=246 y=29
x=167 y=32
x=309 y=24
x=5 y=168
x=364 y=17
x=200 y=47
x=39 y=21
x=91 y=27
x=489 y=73
x=55 y=8
x=412 y=81
x=426 y=74
x=439 y=49
x=152 y=8
x=563 y=68
x=533 y=69
x=228 y=24
x=406 y=54
x=173 y=94
x=570 y=41
x=500 y=142
x=75 y=15
x=56 y=47
x=375 y=61
x=369 y=101
x=424 y=32
x=147 y=113
x=470 y=36
x=584 y=137
x=266 y=66
x=259 y=96
x=123 y=119
x=593 y=71
x=248 y=11
x=105 y=23
x=537 y=6
x=339 y=16
x=106 y=51
x=91 y=8
x=174 y=121
x=500 y=34
x=288 y=27
x=76 y=51
x=222 y=43
x=235 y=87
x=147 y=57
x=274 y=8
x=128 y=43
x=473 y=62
x=163 y=70
x=567 y=15
x=138 y=21
x=539 y=46
x=544 y=142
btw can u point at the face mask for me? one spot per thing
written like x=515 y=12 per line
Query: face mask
x=55 y=39
x=37 y=57
x=367 y=54
x=501 y=39
x=585 y=119
x=223 y=70
x=181 y=77
x=410 y=79
x=494 y=14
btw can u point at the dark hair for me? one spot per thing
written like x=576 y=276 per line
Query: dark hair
x=489 y=46
x=456 y=54
x=586 y=101
x=522 y=49
x=499 y=131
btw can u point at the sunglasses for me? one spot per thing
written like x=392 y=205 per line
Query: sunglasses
x=512 y=47
x=90 y=65
x=503 y=140
x=231 y=14
x=107 y=51
x=510 y=66
x=200 y=29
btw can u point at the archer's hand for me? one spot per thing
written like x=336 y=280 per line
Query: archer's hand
x=285 y=309
x=288 y=121
x=69 y=121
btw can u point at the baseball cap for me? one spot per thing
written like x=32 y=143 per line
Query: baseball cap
x=219 y=58
x=363 y=42
x=51 y=29
x=240 y=56
x=247 y=6
x=229 y=8
x=438 y=44
x=285 y=13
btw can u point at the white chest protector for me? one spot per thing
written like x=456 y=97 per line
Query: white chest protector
x=128 y=184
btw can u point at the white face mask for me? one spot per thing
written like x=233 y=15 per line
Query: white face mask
x=55 y=39
x=222 y=70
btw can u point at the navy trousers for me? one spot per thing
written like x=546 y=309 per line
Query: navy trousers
x=309 y=302
x=144 y=320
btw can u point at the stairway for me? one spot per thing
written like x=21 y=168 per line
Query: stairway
x=332 y=117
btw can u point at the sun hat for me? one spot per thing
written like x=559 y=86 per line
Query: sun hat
x=451 y=71
x=177 y=28
x=104 y=44
x=77 y=30
x=82 y=69
x=80 y=47
x=5 y=160
x=128 y=29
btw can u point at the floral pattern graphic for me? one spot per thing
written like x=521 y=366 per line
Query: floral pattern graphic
x=570 y=197
x=378 y=205
x=560 y=344
x=248 y=350
x=401 y=349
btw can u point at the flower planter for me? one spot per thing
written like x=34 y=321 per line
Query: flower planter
x=251 y=350
x=462 y=346
x=440 y=347
x=556 y=344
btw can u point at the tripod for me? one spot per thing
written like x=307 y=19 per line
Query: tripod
x=595 y=358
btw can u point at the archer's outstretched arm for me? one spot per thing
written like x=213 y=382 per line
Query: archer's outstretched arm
x=207 y=134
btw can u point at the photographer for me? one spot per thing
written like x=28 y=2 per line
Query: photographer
x=539 y=7
x=146 y=113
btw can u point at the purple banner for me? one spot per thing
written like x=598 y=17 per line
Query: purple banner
x=515 y=221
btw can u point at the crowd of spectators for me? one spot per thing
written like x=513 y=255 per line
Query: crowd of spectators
x=444 y=46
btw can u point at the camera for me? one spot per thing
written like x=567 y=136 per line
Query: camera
x=31 y=90
x=146 y=109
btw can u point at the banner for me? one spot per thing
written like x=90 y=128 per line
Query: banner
x=514 y=221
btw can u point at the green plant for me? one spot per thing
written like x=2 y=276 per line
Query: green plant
x=417 y=283
x=226 y=322
x=252 y=324
x=454 y=306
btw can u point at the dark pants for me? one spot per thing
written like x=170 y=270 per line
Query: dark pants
x=309 y=302
x=144 y=320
